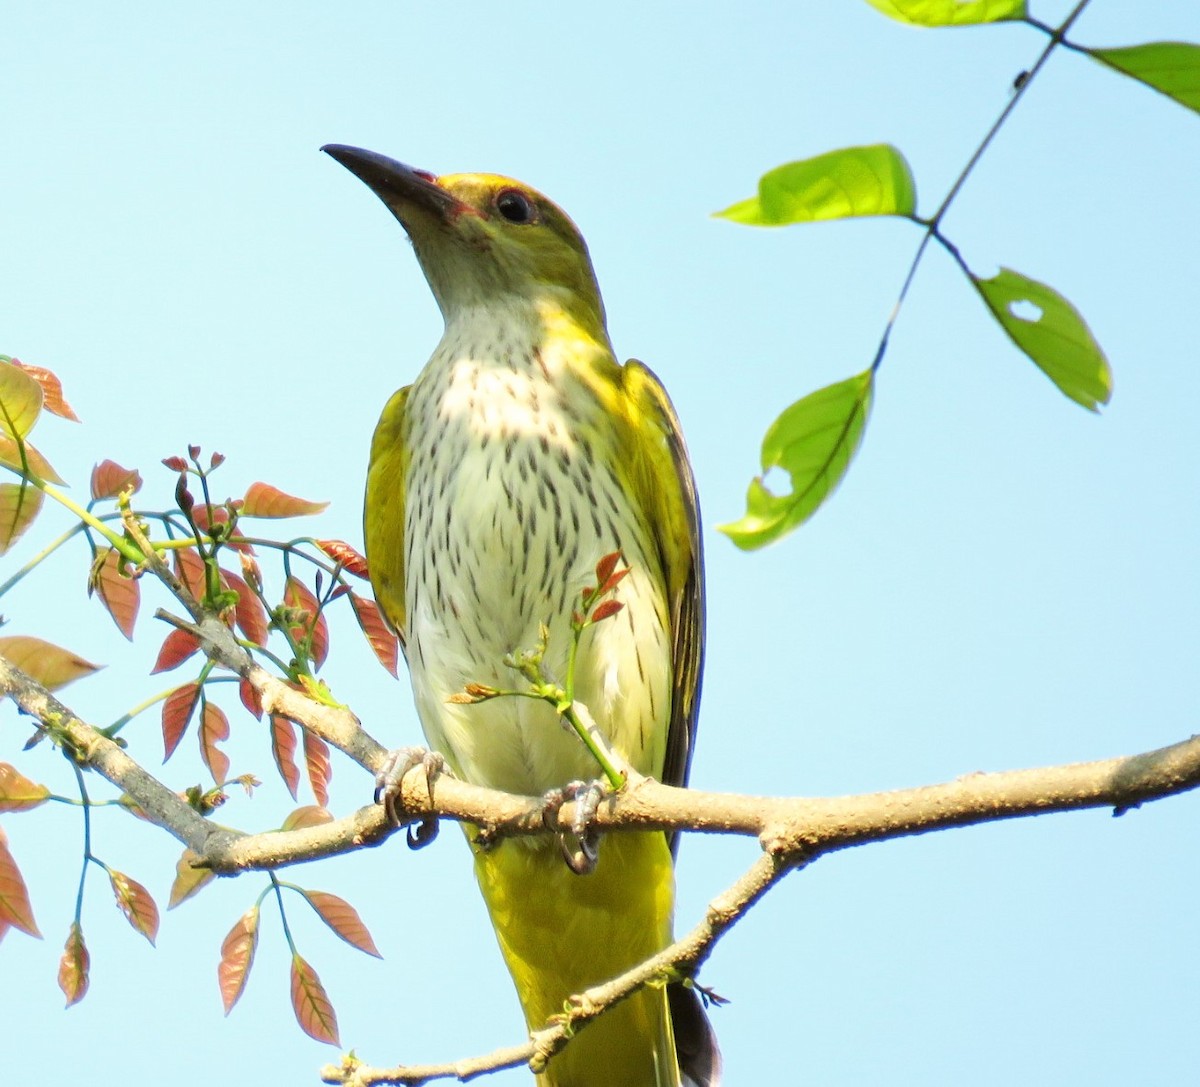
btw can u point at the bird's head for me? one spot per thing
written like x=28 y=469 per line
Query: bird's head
x=482 y=239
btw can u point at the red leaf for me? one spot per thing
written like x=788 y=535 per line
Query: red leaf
x=188 y=879
x=283 y=747
x=343 y=918
x=15 y=909
x=18 y=793
x=50 y=665
x=263 y=500
x=176 y=464
x=345 y=555
x=316 y=758
x=109 y=479
x=189 y=568
x=214 y=727
x=605 y=609
x=606 y=566
x=314 y=629
x=176 y=713
x=249 y=612
x=206 y=516
x=135 y=903
x=19 y=505
x=73 y=966
x=176 y=648
x=119 y=594
x=250 y=698
x=613 y=580
x=237 y=956
x=52 y=395
x=379 y=635
x=310 y=815
x=314 y=1013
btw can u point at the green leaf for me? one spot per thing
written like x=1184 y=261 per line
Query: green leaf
x=951 y=12
x=854 y=181
x=20 y=401
x=814 y=441
x=1050 y=331
x=1172 y=68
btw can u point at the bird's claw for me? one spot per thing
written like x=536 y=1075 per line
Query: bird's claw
x=580 y=845
x=388 y=791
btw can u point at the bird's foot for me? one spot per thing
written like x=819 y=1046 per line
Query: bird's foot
x=388 y=789
x=581 y=844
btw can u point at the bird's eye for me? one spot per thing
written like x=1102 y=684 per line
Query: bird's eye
x=515 y=206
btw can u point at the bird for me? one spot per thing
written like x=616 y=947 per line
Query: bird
x=520 y=456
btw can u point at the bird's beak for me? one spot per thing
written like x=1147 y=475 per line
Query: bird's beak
x=400 y=187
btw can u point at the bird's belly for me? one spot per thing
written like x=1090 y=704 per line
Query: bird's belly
x=501 y=547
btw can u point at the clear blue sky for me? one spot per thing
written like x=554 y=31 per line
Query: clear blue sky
x=1003 y=581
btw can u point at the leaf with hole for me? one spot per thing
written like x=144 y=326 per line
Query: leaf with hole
x=1051 y=332
x=814 y=441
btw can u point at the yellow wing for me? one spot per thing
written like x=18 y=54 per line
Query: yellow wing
x=662 y=475
x=383 y=511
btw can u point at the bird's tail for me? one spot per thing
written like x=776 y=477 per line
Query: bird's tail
x=562 y=933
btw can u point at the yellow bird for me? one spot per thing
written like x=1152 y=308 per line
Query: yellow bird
x=521 y=455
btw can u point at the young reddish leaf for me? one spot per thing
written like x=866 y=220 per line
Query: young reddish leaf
x=250 y=698
x=19 y=505
x=297 y=595
x=135 y=902
x=248 y=612
x=343 y=918
x=73 y=966
x=10 y=455
x=176 y=648
x=605 y=609
x=18 y=793
x=206 y=516
x=310 y=815
x=214 y=727
x=176 y=464
x=121 y=595
x=15 y=909
x=283 y=747
x=50 y=665
x=176 y=713
x=613 y=580
x=188 y=878
x=189 y=568
x=20 y=400
x=606 y=566
x=237 y=956
x=109 y=479
x=383 y=642
x=316 y=758
x=345 y=555
x=52 y=394
x=314 y=1013
x=263 y=500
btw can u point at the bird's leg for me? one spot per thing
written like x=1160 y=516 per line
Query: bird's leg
x=580 y=845
x=388 y=789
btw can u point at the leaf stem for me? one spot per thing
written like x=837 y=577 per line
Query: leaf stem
x=932 y=225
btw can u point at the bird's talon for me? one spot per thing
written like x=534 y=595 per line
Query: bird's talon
x=580 y=846
x=390 y=777
x=419 y=835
